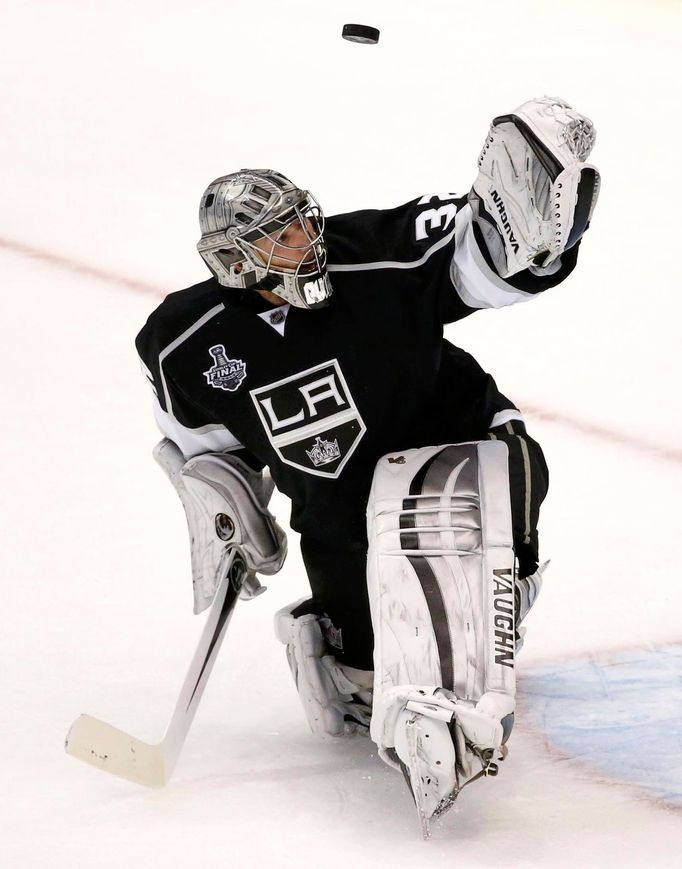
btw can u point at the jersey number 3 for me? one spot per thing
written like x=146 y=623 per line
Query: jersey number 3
x=435 y=218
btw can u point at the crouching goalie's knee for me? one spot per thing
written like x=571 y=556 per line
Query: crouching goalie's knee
x=336 y=699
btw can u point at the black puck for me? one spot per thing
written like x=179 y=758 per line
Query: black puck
x=360 y=33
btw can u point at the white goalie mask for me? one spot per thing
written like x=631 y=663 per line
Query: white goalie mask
x=244 y=218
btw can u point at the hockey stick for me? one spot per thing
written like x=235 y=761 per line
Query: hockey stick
x=114 y=751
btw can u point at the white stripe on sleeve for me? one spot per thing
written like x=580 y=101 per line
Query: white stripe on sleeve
x=477 y=285
x=504 y=416
x=178 y=341
x=194 y=441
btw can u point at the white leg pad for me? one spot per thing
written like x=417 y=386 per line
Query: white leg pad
x=441 y=588
x=325 y=690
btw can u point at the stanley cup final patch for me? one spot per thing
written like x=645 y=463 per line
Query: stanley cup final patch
x=311 y=419
x=225 y=373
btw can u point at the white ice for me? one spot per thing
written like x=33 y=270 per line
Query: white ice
x=114 y=118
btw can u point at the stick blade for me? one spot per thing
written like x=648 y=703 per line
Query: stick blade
x=116 y=752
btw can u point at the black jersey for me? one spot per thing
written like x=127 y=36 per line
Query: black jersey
x=320 y=395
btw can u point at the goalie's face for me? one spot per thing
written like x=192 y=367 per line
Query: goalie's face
x=290 y=248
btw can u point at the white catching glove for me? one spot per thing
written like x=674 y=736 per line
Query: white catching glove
x=534 y=194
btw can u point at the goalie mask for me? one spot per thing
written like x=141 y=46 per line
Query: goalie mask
x=259 y=231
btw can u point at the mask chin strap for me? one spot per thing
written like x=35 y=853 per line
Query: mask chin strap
x=273 y=285
x=269 y=283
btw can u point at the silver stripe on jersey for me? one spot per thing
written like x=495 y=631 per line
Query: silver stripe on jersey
x=477 y=285
x=388 y=264
x=191 y=441
x=526 y=467
x=527 y=504
x=180 y=340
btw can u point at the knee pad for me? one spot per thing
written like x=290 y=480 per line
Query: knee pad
x=336 y=700
x=441 y=588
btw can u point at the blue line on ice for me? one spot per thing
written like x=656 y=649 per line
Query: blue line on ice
x=621 y=715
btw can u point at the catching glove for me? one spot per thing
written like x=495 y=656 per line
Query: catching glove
x=534 y=194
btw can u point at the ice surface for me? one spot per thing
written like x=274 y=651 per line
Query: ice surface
x=114 y=117
x=621 y=715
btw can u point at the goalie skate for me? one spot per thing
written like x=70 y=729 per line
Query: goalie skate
x=442 y=744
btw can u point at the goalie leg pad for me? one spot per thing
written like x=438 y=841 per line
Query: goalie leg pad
x=441 y=586
x=335 y=699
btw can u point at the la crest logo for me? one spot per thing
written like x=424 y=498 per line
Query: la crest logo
x=225 y=373
x=311 y=419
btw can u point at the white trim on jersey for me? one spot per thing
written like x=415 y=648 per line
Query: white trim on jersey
x=477 y=285
x=276 y=317
x=150 y=377
x=389 y=264
x=180 y=340
x=194 y=441
x=503 y=416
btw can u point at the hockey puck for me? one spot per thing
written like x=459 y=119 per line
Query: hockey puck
x=360 y=33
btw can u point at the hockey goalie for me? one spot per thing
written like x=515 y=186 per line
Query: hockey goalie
x=315 y=351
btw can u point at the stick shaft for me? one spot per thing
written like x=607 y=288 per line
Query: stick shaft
x=204 y=658
x=118 y=753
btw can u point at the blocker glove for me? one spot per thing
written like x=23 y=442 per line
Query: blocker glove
x=534 y=194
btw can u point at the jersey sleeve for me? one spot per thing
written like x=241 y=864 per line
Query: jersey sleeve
x=179 y=418
x=436 y=239
x=469 y=401
x=405 y=239
x=474 y=282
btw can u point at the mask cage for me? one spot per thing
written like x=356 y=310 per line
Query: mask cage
x=308 y=214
